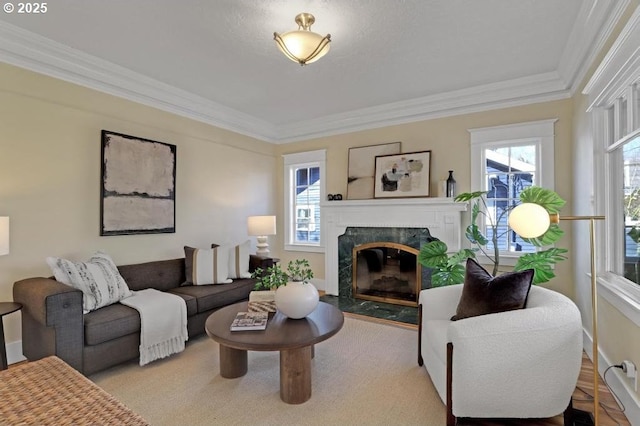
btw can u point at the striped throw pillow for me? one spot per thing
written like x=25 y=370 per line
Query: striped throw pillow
x=207 y=266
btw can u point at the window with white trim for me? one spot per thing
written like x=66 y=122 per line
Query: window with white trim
x=304 y=188
x=622 y=157
x=614 y=106
x=505 y=160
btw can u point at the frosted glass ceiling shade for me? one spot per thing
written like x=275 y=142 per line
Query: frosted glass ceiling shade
x=302 y=45
x=529 y=220
x=4 y=235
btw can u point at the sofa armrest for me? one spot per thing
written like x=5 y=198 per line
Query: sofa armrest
x=440 y=303
x=263 y=262
x=52 y=319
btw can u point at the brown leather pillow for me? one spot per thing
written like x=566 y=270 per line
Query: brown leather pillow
x=484 y=294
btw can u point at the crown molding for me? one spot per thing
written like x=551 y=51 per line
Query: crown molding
x=595 y=23
x=36 y=53
x=517 y=92
x=619 y=68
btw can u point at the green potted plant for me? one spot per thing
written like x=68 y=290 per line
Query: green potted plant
x=448 y=268
x=263 y=296
x=269 y=279
x=299 y=270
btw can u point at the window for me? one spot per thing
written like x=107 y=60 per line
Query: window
x=505 y=160
x=303 y=188
x=614 y=108
x=630 y=265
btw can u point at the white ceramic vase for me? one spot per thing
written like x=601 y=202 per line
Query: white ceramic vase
x=296 y=299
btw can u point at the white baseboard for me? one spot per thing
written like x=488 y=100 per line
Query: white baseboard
x=617 y=381
x=14 y=352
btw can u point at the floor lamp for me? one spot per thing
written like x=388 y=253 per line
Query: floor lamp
x=530 y=220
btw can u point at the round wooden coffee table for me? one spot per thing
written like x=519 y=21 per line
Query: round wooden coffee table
x=294 y=338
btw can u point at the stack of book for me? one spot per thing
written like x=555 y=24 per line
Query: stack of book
x=262 y=301
x=245 y=321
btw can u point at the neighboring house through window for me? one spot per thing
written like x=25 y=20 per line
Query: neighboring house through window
x=505 y=160
x=304 y=175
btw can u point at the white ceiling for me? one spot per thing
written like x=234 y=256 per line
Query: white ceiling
x=390 y=61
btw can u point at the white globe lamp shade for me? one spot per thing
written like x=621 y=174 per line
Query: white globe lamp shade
x=529 y=220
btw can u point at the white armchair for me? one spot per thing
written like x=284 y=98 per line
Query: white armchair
x=516 y=364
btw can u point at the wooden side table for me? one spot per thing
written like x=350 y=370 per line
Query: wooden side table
x=5 y=309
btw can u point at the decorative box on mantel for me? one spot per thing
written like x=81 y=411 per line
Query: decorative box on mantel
x=441 y=216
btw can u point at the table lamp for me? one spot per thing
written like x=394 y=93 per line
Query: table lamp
x=260 y=227
x=530 y=220
x=4 y=235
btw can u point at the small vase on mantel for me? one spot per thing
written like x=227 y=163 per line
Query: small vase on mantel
x=451 y=185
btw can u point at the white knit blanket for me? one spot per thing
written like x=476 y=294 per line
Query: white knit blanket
x=163 y=323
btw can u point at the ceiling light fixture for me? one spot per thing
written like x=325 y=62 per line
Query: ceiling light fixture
x=302 y=45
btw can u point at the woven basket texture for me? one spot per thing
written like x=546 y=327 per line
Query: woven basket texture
x=50 y=392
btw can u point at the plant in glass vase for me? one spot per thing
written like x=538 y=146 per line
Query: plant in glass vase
x=447 y=268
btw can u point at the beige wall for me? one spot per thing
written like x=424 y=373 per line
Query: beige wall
x=50 y=177
x=448 y=140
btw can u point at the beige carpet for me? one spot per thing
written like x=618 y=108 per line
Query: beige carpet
x=367 y=374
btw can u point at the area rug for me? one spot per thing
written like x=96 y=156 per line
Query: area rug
x=367 y=374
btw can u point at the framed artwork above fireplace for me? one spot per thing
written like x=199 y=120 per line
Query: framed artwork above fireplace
x=362 y=168
x=403 y=175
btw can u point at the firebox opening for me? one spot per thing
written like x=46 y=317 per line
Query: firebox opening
x=386 y=272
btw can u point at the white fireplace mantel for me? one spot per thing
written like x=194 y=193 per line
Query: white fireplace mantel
x=442 y=216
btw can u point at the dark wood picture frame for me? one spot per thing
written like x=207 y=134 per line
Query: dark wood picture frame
x=403 y=175
x=137 y=185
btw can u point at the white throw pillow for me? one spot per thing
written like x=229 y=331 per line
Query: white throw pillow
x=208 y=266
x=239 y=260
x=98 y=279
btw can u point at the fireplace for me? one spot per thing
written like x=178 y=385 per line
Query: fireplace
x=408 y=221
x=386 y=272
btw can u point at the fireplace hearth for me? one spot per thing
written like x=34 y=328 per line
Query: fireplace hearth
x=384 y=258
x=386 y=272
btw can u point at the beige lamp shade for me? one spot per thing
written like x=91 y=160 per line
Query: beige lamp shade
x=4 y=235
x=261 y=225
x=529 y=220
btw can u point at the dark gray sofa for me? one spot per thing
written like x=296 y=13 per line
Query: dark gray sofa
x=53 y=322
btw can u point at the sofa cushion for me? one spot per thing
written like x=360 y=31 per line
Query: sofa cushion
x=98 y=279
x=216 y=296
x=207 y=266
x=485 y=294
x=161 y=274
x=110 y=322
x=239 y=260
x=192 y=303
